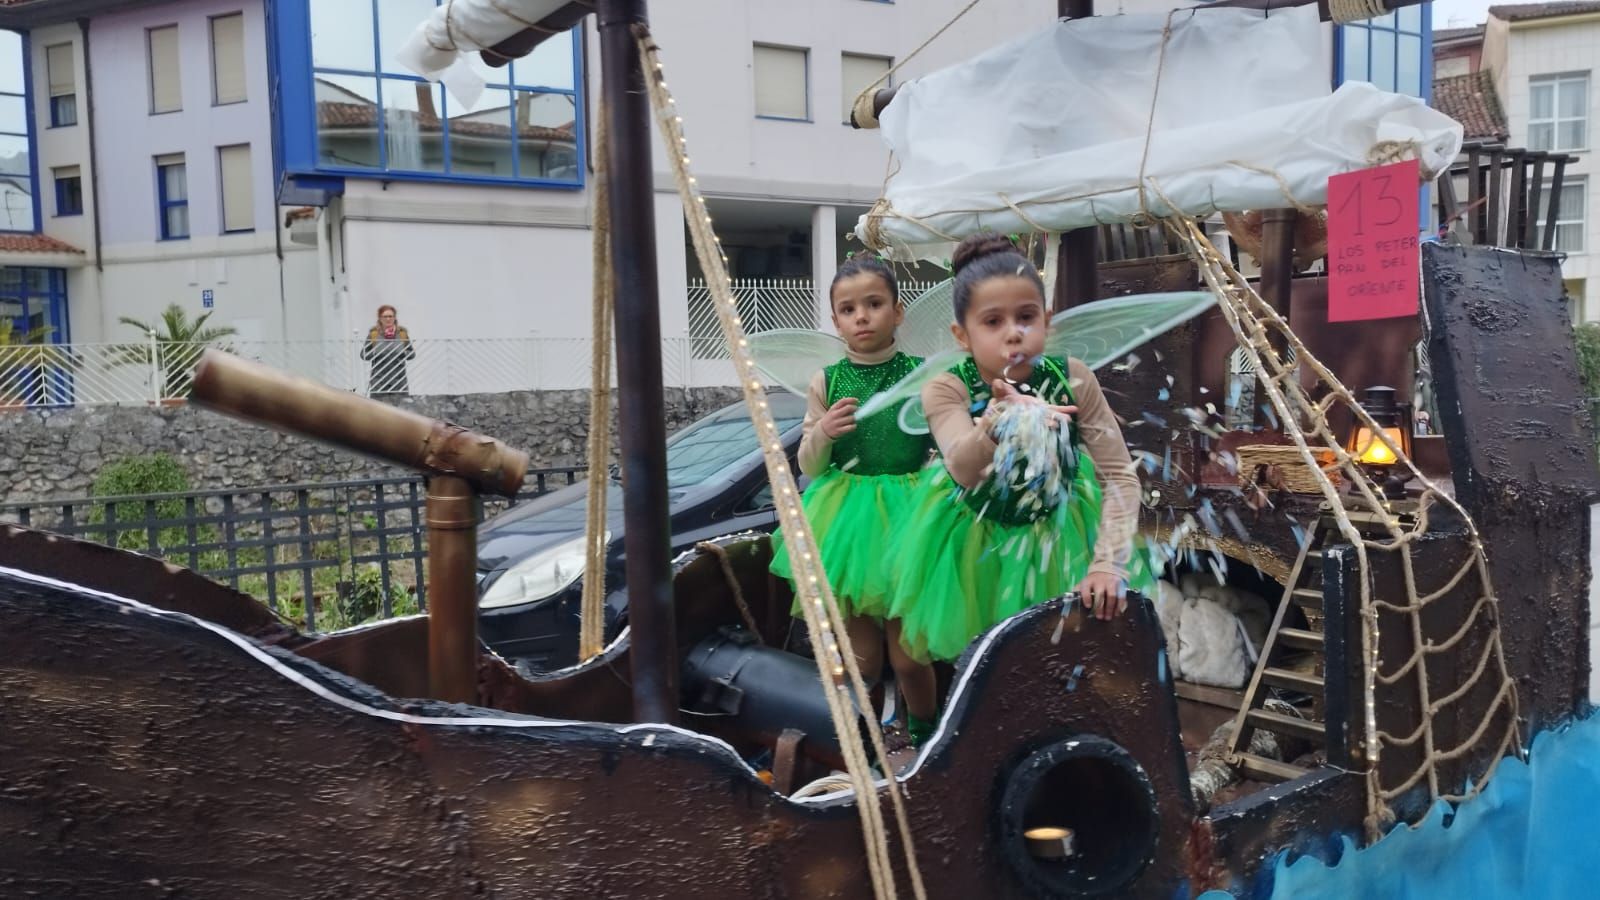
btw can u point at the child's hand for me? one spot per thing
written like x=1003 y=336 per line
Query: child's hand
x=840 y=419
x=1103 y=596
x=1006 y=392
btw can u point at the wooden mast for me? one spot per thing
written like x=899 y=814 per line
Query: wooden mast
x=640 y=410
x=1077 y=272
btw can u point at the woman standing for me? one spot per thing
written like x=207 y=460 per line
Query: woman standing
x=388 y=347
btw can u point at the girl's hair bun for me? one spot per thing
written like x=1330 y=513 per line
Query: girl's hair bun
x=977 y=246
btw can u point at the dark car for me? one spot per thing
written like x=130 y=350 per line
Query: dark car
x=531 y=557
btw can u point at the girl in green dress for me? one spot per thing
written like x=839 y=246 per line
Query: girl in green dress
x=863 y=477
x=974 y=550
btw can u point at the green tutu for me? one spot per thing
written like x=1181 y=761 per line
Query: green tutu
x=957 y=575
x=854 y=518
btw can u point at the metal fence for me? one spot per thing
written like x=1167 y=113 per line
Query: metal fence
x=326 y=556
x=155 y=372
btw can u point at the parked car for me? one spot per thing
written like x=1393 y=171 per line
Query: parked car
x=531 y=557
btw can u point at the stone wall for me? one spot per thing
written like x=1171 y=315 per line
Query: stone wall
x=55 y=453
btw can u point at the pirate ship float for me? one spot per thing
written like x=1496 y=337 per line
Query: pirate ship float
x=166 y=735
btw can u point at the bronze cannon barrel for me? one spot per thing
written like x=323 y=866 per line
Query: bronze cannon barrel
x=258 y=393
x=458 y=464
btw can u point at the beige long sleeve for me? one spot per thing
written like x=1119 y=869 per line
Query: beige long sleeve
x=969 y=453
x=816 y=448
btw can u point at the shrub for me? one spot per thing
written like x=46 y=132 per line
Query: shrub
x=1587 y=338
x=155 y=473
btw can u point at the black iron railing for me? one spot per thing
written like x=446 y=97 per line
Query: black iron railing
x=324 y=555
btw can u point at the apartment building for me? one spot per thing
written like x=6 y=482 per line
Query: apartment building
x=270 y=161
x=1523 y=79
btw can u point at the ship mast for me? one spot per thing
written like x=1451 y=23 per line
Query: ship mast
x=640 y=410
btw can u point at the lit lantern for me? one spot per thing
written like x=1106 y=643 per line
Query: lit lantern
x=1373 y=454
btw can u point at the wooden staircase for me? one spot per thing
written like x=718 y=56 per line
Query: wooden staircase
x=1304 y=691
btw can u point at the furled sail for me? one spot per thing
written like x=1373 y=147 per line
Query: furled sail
x=1113 y=118
x=456 y=27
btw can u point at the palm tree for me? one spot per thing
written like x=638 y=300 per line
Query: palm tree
x=19 y=355
x=178 y=344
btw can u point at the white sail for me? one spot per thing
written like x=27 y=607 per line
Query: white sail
x=467 y=26
x=1058 y=129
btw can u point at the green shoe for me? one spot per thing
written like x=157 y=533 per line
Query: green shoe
x=919 y=729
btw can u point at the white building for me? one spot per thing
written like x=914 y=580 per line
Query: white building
x=1542 y=57
x=196 y=125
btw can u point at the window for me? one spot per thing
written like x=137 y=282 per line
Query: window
x=69 y=191
x=1558 y=112
x=227 y=59
x=63 y=85
x=1389 y=51
x=17 y=210
x=238 y=198
x=166 y=90
x=172 y=196
x=856 y=72
x=1569 y=218
x=780 y=81
x=372 y=114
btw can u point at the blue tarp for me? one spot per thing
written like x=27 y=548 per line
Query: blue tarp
x=1533 y=832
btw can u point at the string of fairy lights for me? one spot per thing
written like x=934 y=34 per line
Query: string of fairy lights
x=843 y=685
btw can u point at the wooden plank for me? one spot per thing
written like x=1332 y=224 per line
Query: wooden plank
x=1290 y=725
x=1227 y=698
x=1295 y=681
x=1300 y=639
x=1260 y=768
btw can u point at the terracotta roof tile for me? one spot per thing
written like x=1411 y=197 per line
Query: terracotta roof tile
x=358 y=115
x=1471 y=100
x=1446 y=35
x=33 y=243
x=1521 y=12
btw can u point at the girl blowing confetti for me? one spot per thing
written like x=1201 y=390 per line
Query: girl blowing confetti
x=864 y=476
x=994 y=532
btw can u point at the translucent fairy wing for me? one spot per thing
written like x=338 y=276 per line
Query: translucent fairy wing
x=926 y=329
x=1101 y=332
x=913 y=418
x=791 y=356
x=910 y=387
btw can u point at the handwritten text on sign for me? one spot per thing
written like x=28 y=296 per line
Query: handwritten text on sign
x=1372 y=243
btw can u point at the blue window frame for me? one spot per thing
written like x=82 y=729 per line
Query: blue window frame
x=19 y=187
x=69 y=191
x=172 y=197
x=346 y=107
x=1395 y=53
x=36 y=298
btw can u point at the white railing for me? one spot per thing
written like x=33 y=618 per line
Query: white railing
x=764 y=304
x=153 y=372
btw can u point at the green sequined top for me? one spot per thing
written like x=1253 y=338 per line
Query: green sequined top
x=1051 y=383
x=878 y=446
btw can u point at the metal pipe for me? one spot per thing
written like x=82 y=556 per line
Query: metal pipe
x=647 y=544
x=452 y=514
x=1277 y=265
x=257 y=393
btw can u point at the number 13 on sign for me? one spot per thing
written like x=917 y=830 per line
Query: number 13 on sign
x=1373 y=266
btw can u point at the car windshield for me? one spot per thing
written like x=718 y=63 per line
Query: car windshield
x=709 y=446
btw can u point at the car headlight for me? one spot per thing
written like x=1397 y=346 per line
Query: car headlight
x=539 y=576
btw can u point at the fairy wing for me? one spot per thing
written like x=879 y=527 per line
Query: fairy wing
x=910 y=388
x=925 y=331
x=1099 y=333
x=791 y=356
